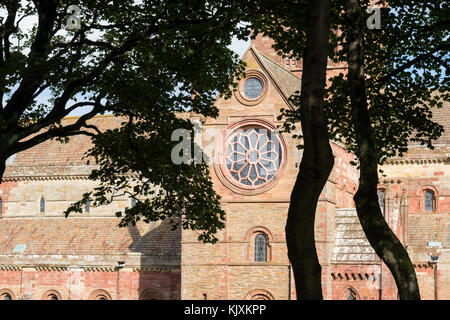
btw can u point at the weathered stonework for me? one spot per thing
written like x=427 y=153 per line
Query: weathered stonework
x=44 y=255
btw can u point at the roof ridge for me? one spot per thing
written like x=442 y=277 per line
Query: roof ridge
x=273 y=62
x=286 y=82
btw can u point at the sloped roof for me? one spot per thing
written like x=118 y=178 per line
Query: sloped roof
x=83 y=236
x=52 y=152
x=441 y=116
x=286 y=81
x=424 y=228
x=351 y=245
x=442 y=144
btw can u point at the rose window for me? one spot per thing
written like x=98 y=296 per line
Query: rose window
x=253 y=156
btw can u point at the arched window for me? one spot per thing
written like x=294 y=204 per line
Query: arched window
x=87 y=204
x=100 y=295
x=381 y=198
x=429 y=200
x=260 y=248
x=51 y=295
x=259 y=294
x=42 y=205
x=133 y=202
x=351 y=294
x=153 y=294
x=6 y=296
x=260 y=297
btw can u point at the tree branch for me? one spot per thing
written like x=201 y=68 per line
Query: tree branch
x=409 y=64
x=34 y=73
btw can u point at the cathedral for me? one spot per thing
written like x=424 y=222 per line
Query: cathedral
x=45 y=256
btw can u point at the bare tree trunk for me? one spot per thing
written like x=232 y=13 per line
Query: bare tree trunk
x=317 y=161
x=380 y=236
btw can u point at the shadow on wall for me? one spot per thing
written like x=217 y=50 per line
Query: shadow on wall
x=159 y=276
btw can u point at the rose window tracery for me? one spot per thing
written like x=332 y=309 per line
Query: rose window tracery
x=253 y=156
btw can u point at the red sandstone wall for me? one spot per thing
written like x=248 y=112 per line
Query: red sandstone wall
x=78 y=284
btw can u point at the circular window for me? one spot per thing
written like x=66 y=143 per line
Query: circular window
x=253 y=88
x=253 y=156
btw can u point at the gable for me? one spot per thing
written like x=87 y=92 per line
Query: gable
x=284 y=81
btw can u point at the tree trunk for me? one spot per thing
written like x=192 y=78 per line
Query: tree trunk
x=383 y=240
x=2 y=169
x=317 y=161
x=4 y=145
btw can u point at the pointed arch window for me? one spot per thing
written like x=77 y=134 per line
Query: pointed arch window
x=42 y=205
x=429 y=200
x=260 y=248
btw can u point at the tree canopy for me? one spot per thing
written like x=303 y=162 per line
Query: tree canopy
x=407 y=72
x=405 y=65
x=125 y=57
x=148 y=60
x=144 y=61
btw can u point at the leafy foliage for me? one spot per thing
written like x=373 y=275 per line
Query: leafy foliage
x=124 y=55
x=407 y=76
x=145 y=60
x=407 y=67
x=134 y=161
